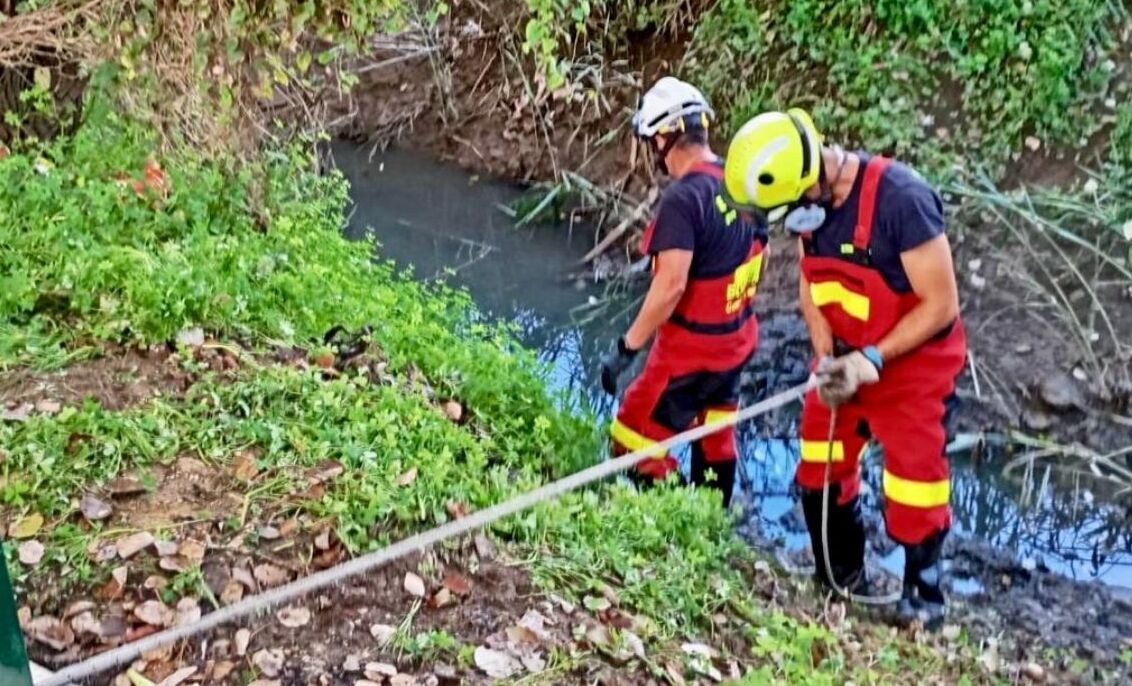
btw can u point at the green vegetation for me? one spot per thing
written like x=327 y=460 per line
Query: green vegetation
x=89 y=261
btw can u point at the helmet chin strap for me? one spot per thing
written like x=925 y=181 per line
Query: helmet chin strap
x=808 y=217
x=662 y=152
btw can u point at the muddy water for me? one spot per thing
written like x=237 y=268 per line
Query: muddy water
x=444 y=224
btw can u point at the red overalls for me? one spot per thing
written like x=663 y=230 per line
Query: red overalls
x=905 y=409
x=692 y=372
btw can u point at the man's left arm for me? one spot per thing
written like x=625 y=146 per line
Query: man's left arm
x=932 y=276
x=668 y=284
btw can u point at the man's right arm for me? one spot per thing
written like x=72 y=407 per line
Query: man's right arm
x=821 y=335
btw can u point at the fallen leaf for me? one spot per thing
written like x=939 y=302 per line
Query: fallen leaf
x=221 y=670
x=31 y=553
x=23 y=615
x=408 y=477
x=166 y=548
x=269 y=662
x=377 y=670
x=51 y=632
x=133 y=544
x=178 y=677
x=192 y=550
x=414 y=585
x=484 y=546
x=188 y=612
x=495 y=663
x=125 y=486
x=453 y=410
x=233 y=592
x=293 y=617
x=120 y=575
x=241 y=575
x=634 y=643
x=19 y=413
x=521 y=634
x=383 y=633
x=93 y=509
x=242 y=639
x=456 y=509
x=102 y=551
x=322 y=540
x=533 y=662
x=535 y=622
x=155 y=582
x=269 y=533
x=77 y=608
x=48 y=406
x=112 y=627
x=457 y=583
x=175 y=564
x=86 y=623
x=244 y=467
x=26 y=527
x=154 y=613
x=269 y=576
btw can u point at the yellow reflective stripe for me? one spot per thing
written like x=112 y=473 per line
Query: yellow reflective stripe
x=712 y=416
x=633 y=440
x=854 y=304
x=818 y=451
x=916 y=493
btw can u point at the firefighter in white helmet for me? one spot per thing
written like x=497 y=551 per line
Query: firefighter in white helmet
x=698 y=312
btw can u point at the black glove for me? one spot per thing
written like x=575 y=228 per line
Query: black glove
x=613 y=363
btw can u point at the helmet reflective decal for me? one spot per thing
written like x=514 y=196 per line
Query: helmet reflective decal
x=756 y=165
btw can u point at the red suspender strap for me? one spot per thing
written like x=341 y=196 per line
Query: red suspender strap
x=709 y=168
x=866 y=204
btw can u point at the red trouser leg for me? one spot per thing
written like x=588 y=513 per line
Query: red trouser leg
x=906 y=412
x=635 y=428
x=719 y=446
x=848 y=444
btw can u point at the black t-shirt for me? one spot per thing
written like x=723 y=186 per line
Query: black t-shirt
x=692 y=216
x=909 y=212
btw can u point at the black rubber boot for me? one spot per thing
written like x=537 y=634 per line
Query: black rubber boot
x=846 y=533
x=724 y=474
x=923 y=598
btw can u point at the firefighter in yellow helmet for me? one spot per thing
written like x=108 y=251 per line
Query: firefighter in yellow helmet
x=880 y=300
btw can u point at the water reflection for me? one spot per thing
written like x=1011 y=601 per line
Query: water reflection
x=436 y=219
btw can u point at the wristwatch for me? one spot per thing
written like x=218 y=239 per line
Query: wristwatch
x=873 y=355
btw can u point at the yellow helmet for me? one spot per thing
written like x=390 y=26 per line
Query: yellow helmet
x=772 y=160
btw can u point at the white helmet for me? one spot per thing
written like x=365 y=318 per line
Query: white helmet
x=671 y=105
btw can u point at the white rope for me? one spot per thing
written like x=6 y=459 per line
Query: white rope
x=264 y=601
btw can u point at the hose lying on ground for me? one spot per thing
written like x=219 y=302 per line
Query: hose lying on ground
x=283 y=594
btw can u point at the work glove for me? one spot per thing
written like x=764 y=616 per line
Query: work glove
x=839 y=378
x=613 y=363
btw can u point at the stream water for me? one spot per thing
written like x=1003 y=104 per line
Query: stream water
x=443 y=223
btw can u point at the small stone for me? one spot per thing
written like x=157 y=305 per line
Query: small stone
x=1029 y=564
x=19 y=413
x=188 y=612
x=352 y=663
x=951 y=632
x=166 y=548
x=1091 y=186
x=154 y=613
x=975 y=264
x=414 y=585
x=192 y=550
x=269 y=533
x=1023 y=348
x=293 y=617
x=175 y=564
x=48 y=406
x=453 y=410
x=132 y=545
x=978 y=281
x=1060 y=392
x=1033 y=143
x=233 y=592
x=269 y=575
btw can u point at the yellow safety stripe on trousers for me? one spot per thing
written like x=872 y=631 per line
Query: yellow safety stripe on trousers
x=712 y=416
x=916 y=493
x=854 y=304
x=633 y=440
x=818 y=451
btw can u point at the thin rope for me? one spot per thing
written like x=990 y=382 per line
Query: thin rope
x=283 y=594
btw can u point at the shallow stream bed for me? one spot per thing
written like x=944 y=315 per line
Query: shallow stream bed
x=444 y=223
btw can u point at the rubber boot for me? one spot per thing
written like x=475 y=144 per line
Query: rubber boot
x=724 y=470
x=846 y=533
x=923 y=598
